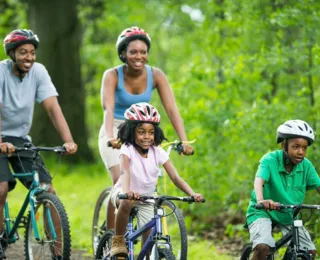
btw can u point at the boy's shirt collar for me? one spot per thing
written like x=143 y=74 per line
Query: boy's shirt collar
x=297 y=168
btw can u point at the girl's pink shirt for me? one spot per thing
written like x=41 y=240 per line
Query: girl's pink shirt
x=143 y=171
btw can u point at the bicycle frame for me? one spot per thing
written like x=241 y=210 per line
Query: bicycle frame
x=30 y=200
x=156 y=234
x=35 y=189
x=293 y=235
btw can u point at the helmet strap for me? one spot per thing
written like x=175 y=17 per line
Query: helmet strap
x=13 y=58
x=140 y=149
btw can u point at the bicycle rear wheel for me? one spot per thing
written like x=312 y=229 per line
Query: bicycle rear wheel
x=174 y=226
x=53 y=227
x=99 y=218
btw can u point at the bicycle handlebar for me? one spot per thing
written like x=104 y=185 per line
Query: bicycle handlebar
x=175 y=145
x=35 y=149
x=295 y=207
x=160 y=198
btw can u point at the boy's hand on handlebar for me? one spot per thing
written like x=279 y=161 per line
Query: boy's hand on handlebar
x=7 y=148
x=114 y=143
x=269 y=204
x=132 y=195
x=71 y=147
x=187 y=149
x=197 y=196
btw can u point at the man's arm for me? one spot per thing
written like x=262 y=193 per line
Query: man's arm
x=54 y=111
x=5 y=147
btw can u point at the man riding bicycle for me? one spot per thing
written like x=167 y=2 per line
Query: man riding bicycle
x=22 y=82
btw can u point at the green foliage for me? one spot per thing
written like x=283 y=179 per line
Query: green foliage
x=237 y=68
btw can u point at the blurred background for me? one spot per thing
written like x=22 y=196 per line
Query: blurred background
x=238 y=69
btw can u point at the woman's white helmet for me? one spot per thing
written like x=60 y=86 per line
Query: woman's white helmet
x=293 y=129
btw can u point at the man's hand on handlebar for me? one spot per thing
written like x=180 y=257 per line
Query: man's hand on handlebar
x=71 y=147
x=7 y=148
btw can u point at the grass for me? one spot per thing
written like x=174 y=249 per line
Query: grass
x=78 y=188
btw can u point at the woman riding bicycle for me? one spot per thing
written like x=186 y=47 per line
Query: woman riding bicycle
x=128 y=84
x=140 y=158
x=283 y=176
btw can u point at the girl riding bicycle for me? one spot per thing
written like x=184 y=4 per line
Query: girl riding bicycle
x=283 y=177
x=140 y=158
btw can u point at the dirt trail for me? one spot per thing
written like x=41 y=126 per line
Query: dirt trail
x=16 y=252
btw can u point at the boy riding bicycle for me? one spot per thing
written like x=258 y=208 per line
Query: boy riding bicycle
x=140 y=158
x=283 y=176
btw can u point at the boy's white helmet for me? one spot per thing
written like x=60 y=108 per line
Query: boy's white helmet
x=293 y=129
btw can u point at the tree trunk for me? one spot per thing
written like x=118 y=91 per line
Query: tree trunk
x=57 y=26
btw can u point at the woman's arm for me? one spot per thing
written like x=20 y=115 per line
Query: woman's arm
x=108 y=88
x=179 y=182
x=169 y=103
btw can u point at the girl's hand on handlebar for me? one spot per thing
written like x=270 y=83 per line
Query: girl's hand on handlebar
x=132 y=195
x=269 y=204
x=71 y=147
x=187 y=149
x=197 y=196
x=114 y=143
x=7 y=148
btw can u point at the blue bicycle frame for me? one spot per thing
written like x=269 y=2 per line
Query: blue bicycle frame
x=156 y=225
x=30 y=200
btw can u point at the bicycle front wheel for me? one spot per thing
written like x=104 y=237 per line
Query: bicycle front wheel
x=247 y=253
x=174 y=226
x=99 y=217
x=104 y=246
x=53 y=229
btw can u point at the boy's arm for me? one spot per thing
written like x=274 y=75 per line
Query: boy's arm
x=258 y=188
x=179 y=182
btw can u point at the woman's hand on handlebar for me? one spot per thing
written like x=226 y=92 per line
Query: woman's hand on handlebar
x=7 y=148
x=198 y=197
x=187 y=149
x=114 y=143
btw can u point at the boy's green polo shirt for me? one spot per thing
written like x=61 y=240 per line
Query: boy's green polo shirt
x=281 y=186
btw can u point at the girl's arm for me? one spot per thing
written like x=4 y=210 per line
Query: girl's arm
x=179 y=182
x=108 y=88
x=169 y=103
x=125 y=173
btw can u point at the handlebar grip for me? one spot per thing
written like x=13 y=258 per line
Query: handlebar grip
x=123 y=196
x=259 y=206
x=109 y=144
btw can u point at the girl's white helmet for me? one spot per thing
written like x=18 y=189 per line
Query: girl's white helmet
x=293 y=129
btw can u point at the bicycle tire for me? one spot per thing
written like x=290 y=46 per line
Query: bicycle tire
x=99 y=218
x=176 y=229
x=104 y=245
x=246 y=253
x=47 y=248
x=164 y=254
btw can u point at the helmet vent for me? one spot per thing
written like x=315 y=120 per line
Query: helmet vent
x=288 y=125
